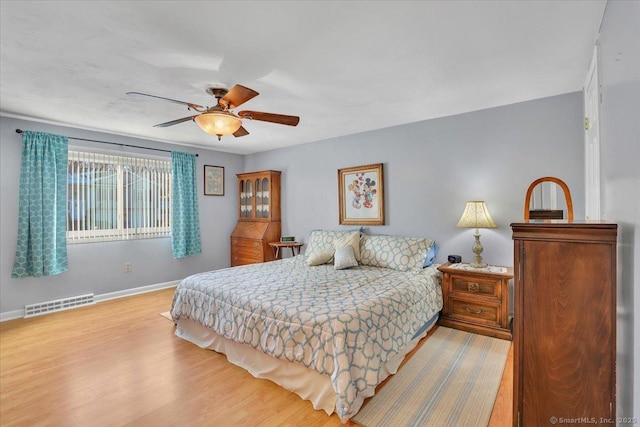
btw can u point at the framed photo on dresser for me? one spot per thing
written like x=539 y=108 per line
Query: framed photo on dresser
x=213 y=180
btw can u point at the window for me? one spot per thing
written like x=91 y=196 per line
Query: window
x=112 y=197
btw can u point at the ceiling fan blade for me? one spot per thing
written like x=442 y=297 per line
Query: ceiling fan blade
x=238 y=95
x=270 y=117
x=188 y=104
x=240 y=132
x=175 y=122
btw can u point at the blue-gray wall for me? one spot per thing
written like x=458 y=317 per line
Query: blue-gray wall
x=431 y=168
x=620 y=146
x=99 y=267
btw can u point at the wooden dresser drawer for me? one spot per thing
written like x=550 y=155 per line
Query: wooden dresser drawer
x=247 y=252
x=463 y=285
x=475 y=311
x=245 y=243
x=240 y=260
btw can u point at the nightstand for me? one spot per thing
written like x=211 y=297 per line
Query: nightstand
x=476 y=300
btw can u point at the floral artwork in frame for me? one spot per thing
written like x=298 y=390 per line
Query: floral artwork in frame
x=213 y=180
x=361 y=196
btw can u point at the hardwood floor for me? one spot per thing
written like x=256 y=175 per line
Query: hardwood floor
x=118 y=363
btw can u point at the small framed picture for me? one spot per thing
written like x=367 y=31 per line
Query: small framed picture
x=213 y=180
x=361 y=197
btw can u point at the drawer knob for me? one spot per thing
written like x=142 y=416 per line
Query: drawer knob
x=479 y=311
x=255 y=244
x=473 y=287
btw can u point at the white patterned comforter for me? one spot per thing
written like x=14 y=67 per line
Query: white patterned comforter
x=345 y=324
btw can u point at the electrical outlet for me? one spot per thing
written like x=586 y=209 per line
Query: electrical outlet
x=127 y=267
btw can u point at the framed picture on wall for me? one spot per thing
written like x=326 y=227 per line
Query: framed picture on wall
x=213 y=180
x=361 y=196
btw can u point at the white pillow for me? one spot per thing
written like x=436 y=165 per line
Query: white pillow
x=350 y=239
x=344 y=258
x=323 y=241
x=320 y=257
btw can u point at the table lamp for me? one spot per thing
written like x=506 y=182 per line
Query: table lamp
x=476 y=215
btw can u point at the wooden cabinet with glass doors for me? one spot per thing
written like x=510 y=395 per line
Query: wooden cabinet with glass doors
x=258 y=217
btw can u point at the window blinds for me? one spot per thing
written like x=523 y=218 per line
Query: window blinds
x=111 y=197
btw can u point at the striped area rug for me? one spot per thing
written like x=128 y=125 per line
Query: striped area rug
x=452 y=380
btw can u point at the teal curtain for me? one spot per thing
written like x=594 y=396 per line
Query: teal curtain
x=42 y=240
x=185 y=220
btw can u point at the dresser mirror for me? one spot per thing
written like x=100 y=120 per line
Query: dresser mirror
x=548 y=198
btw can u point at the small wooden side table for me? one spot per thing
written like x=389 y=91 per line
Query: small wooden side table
x=476 y=300
x=293 y=245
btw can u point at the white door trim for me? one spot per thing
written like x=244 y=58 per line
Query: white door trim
x=593 y=187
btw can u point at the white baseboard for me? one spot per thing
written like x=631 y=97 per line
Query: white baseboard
x=17 y=314
x=10 y=315
x=136 y=291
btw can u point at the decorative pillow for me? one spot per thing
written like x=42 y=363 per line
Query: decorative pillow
x=350 y=239
x=431 y=255
x=320 y=257
x=321 y=241
x=396 y=252
x=344 y=258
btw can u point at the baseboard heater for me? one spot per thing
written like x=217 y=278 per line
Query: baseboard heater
x=58 y=305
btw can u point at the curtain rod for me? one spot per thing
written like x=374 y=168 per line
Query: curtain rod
x=112 y=143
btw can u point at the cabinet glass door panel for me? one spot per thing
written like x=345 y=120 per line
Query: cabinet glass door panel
x=249 y=199
x=259 y=190
x=265 y=197
x=243 y=199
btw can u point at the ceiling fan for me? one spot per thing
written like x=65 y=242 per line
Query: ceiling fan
x=220 y=120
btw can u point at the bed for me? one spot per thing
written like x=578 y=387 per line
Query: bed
x=328 y=333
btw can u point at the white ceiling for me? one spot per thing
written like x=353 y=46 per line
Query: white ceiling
x=343 y=67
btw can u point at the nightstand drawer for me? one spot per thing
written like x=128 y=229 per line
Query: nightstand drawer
x=474 y=311
x=474 y=286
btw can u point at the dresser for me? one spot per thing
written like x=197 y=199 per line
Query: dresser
x=476 y=300
x=564 y=322
x=258 y=217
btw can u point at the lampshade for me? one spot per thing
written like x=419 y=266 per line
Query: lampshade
x=476 y=215
x=218 y=123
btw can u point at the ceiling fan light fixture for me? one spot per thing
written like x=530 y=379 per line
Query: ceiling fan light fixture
x=218 y=123
x=220 y=120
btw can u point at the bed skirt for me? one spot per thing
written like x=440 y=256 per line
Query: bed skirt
x=306 y=383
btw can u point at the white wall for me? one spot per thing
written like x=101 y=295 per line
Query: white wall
x=431 y=168
x=620 y=146
x=99 y=267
